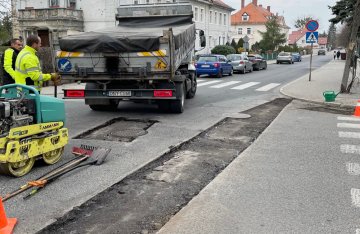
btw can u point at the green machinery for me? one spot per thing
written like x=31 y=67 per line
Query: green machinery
x=31 y=128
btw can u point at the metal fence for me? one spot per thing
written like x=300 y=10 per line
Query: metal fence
x=269 y=56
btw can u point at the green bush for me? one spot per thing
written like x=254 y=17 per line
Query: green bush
x=223 y=49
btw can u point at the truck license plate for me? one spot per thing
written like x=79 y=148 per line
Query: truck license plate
x=119 y=93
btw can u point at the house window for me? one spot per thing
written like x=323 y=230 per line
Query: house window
x=225 y=19
x=147 y=1
x=202 y=15
x=196 y=14
x=239 y=31
x=72 y=4
x=220 y=18
x=215 y=18
x=53 y=3
x=136 y=2
x=219 y=40
x=210 y=17
x=245 y=17
x=223 y=40
x=248 y=30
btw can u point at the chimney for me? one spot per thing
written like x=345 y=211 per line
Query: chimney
x=268 y=8
x=254 y=2
x=242 y=4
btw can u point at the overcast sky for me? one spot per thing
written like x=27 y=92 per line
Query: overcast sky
x=294 y=9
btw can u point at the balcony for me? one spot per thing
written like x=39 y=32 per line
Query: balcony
x=52 y=18
x=50 y=14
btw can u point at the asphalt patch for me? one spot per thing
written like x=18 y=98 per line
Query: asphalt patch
x=145 y=200
x=118 y=129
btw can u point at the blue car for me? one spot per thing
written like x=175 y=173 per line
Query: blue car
x=296 y=57
x=213 y=65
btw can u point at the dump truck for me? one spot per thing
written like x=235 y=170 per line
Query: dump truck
x=148 y=57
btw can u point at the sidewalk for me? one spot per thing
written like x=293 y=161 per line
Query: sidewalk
x=220 y=209
x=326 y=78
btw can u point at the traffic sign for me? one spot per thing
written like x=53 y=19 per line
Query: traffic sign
x=312 y=37
x=64 y=65
x=312 y=25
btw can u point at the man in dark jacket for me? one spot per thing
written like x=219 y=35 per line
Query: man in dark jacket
x=8 y=61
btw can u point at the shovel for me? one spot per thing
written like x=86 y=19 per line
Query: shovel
x=97 y=158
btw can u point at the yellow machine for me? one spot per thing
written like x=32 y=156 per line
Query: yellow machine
x=31 y=128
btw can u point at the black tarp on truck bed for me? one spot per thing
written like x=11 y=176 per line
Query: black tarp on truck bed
x=135 y=35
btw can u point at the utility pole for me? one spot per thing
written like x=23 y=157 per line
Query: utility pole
x=15 y=22
x=355 y=24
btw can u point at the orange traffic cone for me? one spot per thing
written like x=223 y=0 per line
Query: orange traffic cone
x=357 y=109
x=6 y=224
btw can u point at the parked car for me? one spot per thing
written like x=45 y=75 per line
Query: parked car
x=258 y=61
x=240 y=63
x=284 y=57
x=296 y=57
x=321 y=52
x=213 y=65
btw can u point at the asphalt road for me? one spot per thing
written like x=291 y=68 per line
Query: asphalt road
x=210 y=105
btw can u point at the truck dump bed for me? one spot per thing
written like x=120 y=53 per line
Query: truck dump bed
x=149 y=41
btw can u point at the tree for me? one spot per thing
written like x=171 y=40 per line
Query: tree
x=223 y=49
x=323 y=34
x=332 y=36
x=347 y=11
x=240 y=43
x=233 y=44
x=343 y=37
x=273 y=37
x=301 y=22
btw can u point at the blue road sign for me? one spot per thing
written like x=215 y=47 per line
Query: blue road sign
x=64 y=65
x=312 y=25
x=312 y=37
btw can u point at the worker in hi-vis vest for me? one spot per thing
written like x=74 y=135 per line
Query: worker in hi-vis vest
x=27 y=65
x=8 y=61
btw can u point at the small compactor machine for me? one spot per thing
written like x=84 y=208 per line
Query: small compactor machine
x=31 y=128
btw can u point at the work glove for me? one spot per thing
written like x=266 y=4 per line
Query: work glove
x=56 y=78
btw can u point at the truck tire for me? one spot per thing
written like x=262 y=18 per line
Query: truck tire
x=105 y=105
x=177 y=106
x=110 y=107
x=192 y=91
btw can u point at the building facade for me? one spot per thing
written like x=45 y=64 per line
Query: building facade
x=251 y=19
x=51 y=19
x=212 y=16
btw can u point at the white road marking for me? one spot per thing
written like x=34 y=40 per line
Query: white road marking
x=355 y=197
x=348 y=125
x=247 y=85
x=350 y=135
x=199 y=80
x=268 y=87
x=225 y=84
x=353 y=168
x=357 y=231
x=209 y=83
x=347 y=118
x=350 y=149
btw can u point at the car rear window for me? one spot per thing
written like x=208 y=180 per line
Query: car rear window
x=234 y=57
x=284 y=54
x=207 y=59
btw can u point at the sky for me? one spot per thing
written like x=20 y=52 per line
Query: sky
x=294 y=9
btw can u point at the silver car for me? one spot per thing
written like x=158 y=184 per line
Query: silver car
x=240 y=63
x=284 y=57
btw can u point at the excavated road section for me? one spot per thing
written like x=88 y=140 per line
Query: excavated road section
x=145 y=200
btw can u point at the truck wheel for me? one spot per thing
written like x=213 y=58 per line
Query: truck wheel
x=192 y=91
x=110 y=107
x=219 y=75
x=177 y=106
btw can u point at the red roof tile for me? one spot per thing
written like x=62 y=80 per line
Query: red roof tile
x=257 y=15
x=294 y=36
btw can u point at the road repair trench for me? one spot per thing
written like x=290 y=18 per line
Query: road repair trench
x=145 y=200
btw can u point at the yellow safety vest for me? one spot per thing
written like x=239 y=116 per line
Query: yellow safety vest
x=28 y=66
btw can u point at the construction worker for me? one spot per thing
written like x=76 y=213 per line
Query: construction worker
x=27 y=65
x=8 y=61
